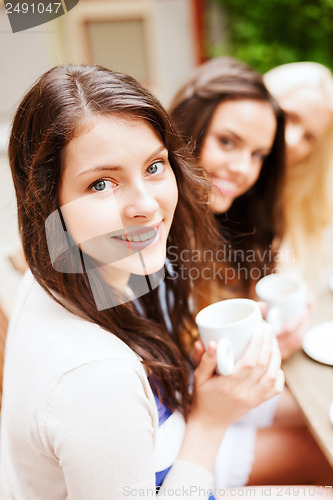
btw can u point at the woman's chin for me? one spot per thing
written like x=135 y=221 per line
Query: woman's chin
x=144 y=264
x=149 y=269
x=220 y=204
x=293 y=159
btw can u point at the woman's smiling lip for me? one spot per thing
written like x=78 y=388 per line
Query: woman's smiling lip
x=139 y=237
x=227 y=188
x=135 y=230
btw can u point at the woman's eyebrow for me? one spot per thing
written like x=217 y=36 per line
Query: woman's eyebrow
x=100 y=168
x=231 y=132
x=159 y=150
x=117 y=168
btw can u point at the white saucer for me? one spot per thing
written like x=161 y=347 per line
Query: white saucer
x=318 y=343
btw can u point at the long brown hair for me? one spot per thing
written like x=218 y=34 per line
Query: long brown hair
x=49 y=116
x=254 y=222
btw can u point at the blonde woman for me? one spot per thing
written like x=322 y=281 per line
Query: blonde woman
x=304 y=90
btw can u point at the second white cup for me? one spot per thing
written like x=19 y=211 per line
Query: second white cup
x=231 y=323
x=286 y=297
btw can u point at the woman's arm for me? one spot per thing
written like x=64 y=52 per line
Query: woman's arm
x=100 y=426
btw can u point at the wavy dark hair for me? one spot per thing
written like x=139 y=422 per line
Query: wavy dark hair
x=254 y=222
x=54 y=111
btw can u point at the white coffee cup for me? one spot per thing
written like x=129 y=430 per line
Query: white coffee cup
x=230 y=323
x=286 y=297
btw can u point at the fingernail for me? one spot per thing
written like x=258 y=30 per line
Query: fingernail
x=211 y=348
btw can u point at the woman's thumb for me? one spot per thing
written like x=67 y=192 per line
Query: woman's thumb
x=207 y=364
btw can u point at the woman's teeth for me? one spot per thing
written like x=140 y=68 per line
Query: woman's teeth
x=137 y=237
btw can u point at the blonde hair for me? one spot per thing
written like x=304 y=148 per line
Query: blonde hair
x=306 y=192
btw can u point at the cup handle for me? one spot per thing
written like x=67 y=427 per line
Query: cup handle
x=225 y=357
x=274 y=319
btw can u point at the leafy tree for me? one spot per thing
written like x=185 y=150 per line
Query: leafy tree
x=266 y=33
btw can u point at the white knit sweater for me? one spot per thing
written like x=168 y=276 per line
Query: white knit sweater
x=79 y=419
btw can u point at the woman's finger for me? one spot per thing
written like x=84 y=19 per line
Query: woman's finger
x=244 y=368
x=280 y=382
x=274 y=376
x=263 y=308
x=266 y=348
x=198 y=351
x=264 y=355
x=207 y=365
x=250 y=358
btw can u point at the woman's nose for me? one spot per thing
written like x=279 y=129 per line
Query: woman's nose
x=241 y=164
x=296 y=148
x=293 y=136
x=140 y=202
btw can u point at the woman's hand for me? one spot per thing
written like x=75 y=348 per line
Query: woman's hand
x=221 y=400
x=198 y=352
x=291 y=337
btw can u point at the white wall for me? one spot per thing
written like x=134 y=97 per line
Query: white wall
x=167 y=39
x=24 y=57
x=175 y=50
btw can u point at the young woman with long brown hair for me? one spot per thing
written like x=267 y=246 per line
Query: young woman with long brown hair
x=94 y=355
x=236 y=131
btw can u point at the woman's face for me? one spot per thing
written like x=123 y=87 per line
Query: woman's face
x=307 y=120
x=118 y=194
x=239 y=137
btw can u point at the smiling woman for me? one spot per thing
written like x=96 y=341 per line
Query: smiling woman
x=305 y=93
x=119 y=167
x=235 y=147
x=236 y=129
x=98 y=354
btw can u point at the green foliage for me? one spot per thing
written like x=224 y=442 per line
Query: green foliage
x=266 y=33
